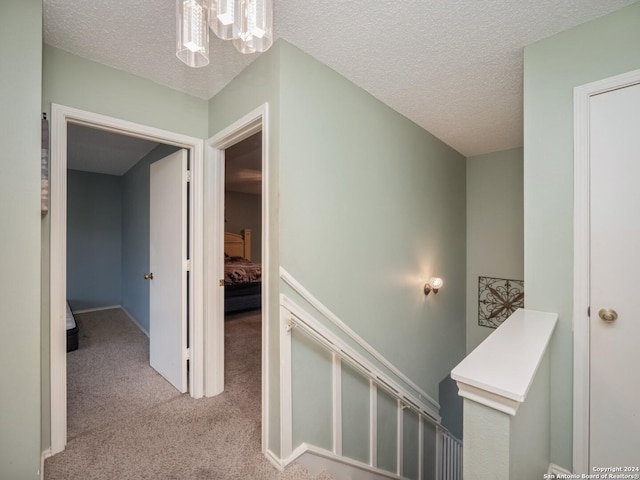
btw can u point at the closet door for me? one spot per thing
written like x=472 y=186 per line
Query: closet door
x=615 y=263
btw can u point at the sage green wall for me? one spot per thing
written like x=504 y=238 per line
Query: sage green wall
x=495 y=227
x=486 y=443
x=355 y=414
x=387 y=438
x=498 y=446
x=73 y=81
x=20 y=84
x=530 y=430
x=410 y=444
x=553 y=67
x=429 y=450
x=255 y=85
x=311 y=392
x=371 y=205
x=76 y=82
x=365 y=206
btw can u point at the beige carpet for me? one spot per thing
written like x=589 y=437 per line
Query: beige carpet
x=126 y=422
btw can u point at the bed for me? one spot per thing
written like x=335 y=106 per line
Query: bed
x=242 y=277
x=72 y=331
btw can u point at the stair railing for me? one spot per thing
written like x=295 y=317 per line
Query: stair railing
x=447 y=461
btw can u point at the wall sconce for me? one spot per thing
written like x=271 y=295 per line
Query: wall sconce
x=434 y=284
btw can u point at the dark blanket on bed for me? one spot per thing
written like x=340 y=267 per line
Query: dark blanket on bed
x=242 y=296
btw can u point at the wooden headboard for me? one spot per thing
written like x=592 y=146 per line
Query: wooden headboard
x=238 y=245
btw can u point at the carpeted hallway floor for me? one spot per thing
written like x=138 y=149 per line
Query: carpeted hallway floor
x=126 y=422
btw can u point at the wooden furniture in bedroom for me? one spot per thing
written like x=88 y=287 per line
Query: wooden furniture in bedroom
x=238 y=245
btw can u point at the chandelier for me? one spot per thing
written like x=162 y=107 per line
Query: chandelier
x=247 y=23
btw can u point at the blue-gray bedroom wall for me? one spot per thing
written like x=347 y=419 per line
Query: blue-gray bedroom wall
x=94 y=230
x=135 y=236
x=451 y=406
x=244 y=210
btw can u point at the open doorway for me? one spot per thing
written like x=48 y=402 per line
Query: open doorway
x=229 y=143
x=243 y=227
x=108 y=294
x=64 y=118
x=108 y=220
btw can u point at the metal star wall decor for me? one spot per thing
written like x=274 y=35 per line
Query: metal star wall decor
x=498 y=298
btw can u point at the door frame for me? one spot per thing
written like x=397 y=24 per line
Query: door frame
x=581 y=259
x=214 y=186
x=61 y=116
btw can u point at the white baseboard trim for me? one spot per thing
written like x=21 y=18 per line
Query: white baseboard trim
x=556 y=470
x=99 y=309
x=43 y=456
x=112 y=307
x=274 y=460
x=317 y=460
x=133 y=319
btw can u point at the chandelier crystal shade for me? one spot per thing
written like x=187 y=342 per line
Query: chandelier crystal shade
x=192 y=39
x=222 y=19
x=255 y=24
x=248 y=23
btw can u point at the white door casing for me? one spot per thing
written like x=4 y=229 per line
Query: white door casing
x=251 y=123
x=582 y=325
x=60 y=117
x=614 y=438
x=168 y=262
x=214 y=240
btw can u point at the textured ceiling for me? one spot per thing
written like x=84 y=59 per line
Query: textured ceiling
x=453 y=67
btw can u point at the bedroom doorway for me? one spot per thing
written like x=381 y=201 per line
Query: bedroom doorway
x=236 y=175
x=243 y=226
x=63 y=119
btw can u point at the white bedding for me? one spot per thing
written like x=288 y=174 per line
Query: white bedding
x=71 y=323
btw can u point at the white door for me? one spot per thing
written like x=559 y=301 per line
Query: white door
x=615 y=270
x=167 y=255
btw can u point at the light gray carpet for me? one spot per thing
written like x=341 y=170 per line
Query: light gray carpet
x=126 y=422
